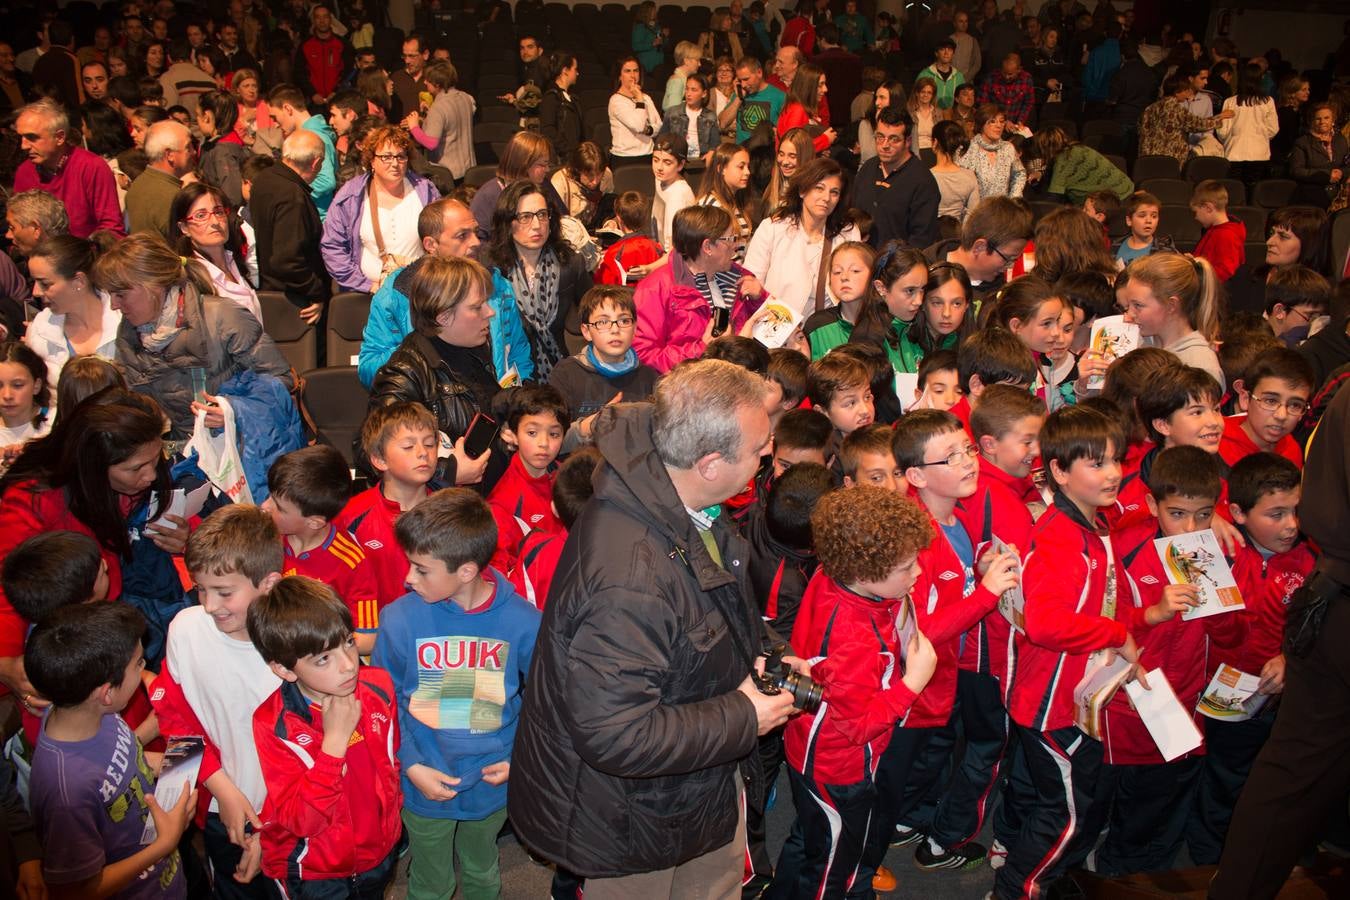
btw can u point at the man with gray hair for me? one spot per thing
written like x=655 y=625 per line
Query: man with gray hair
x=33 y=216
x=287 y=228
x=640 y=719
x=168 y=147
x=79 y=179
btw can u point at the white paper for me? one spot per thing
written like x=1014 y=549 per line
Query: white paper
x=1112 y=337
x=1231 y=695
x=1196 y=559
x=1100 y=682
x=355 y=360
x=776 y=325
x=1169 y=722
x=1012 y=603
x=906 y=384
x=185 y=504
x=182 y=763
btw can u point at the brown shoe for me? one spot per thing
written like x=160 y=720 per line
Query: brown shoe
x=884 y=880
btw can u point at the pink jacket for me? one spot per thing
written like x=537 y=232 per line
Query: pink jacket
x=672 y=315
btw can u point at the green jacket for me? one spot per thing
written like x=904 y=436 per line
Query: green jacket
x=1080 y=171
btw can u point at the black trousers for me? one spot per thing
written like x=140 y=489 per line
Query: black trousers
x=1063 y=766
x=898 y=789
x=1230 y=750
x=223 y=858
x=836 y=825
x=971 y=791
x=368 y=885
x=759 y=865
x=1146 y=809
x=1300 y=775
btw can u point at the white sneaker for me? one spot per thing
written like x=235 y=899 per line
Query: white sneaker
x=998 y=856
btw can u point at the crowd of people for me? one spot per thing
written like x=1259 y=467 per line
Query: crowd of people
x=889 y=357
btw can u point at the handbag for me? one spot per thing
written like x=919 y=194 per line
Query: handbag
x=218 y=455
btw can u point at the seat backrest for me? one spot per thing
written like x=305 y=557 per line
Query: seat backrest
x=1178 y=223
x=1273 y=192
x=1147 y=167
x=1200 y=168
x=479 y=175
x=1254 y=217
x=335 y=402
x=634 y=178
x=347 y=314
x=293 y=336
x=1169 y=190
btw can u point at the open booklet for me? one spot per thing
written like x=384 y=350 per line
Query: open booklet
x=1196 y=558
x=1011 y=603
x=182 y=763
x=1100 y=683
x=1112 y=337
x=1232 y=696
x=776 y=324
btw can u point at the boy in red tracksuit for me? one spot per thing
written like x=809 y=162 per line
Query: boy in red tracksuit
x=539 y=551
x=1224 y=240
x=1007 y=427
x=939 y=461
x=522 y=501
x=328 y=746
x=988 y=357
x=1078 y=602
x=1274 y=394
x=401 y=441
x=1145 y=800
x=308 y=489
x=868 y=540
x=1263 y=492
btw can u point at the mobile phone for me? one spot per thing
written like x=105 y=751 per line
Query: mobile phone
x=479 y=437
x=721 y=320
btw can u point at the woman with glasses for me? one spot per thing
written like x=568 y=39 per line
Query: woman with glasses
x=548 y=278
x=210 y=233
x=994 y=160
x=371 y=228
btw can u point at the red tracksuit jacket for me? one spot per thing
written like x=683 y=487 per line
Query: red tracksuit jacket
x=1064 y=582
x=520 y=503
x=997 y=508
x=327 y=817
x=1181 y=649
x=1235 y=444
x=369 y=517
x=1267 y=585
x=539 y=555
x=944 y=614
x=1130 y=510
x=860 y=670
x=340 y=563
x=323 y=63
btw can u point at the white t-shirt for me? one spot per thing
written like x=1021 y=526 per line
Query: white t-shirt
x=665 y=204
x=224 y=681
x=398 y=227
x=25 y=432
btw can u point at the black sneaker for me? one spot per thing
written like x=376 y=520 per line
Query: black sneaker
x=903 y=836
x=964 y=857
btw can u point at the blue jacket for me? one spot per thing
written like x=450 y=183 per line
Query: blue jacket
x=341 y=241
x=324 y=185
x=391 y=321
x=644 y=46
x=676 y=121
x=451 y=670
x=1103 y=61
x=267 y=423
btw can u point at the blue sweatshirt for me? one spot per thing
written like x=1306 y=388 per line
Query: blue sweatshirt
x=458 y=676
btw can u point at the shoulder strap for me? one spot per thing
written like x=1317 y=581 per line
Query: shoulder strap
x=824 y=272
x=375 y=217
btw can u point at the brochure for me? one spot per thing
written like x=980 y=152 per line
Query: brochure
x=185 y=503
x=906 y=625
x=1169 y=722
x=182 y=763
x=906 y=390
x=1196 y=559
x=1100 y=683
x=1112 y=337
x=776 y=324
x=1231 y=696
x=1011 y=603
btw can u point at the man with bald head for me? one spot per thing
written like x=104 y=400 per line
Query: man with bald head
x=446 y=228
x=79 y=179
x=287 y=227
x=785 y=65
x=168 y=146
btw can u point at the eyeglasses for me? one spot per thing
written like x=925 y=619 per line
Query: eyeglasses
x=956 y=457
x=623 y=323
x=729 y=240
x=526 y=218
x=392 y=159
x=889 y=139
x=205 y=215
x=1008 y=262
x=1272 y=403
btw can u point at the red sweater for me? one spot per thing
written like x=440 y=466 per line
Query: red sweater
x=327 y=817
x=944 y=614
x=1267 y=585
x=369 y=517
x=1180 y=648
x=520 y=503
x=860 y=671
x=997 y=508
x=1236 y=444
x=1223 y=246
x=794 y=116
x=85 y=184
x=1064 y=582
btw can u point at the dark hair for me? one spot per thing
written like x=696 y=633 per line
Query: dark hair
x=126 y=91
x=536 y=400
x=895 y=261
x=574 y=484
x=79 y=648
x=787 y=368
x=501 y=250
x=881 y=377
x=996 y=355
x=893 y=116
x=1072 y=433
x=921 y=330
x=255 y=165
x=108 y=135
x=382 y=424
x=50 y=570
x=803 y=429
x=1250 y=90
x=1020 y=299
x=1125 y=381
x=998 y=220
x=151 y=115
x=453 y=525
x=21 y=354
x=747 y=353
x=792 y=498
x=68 y=255
x=808 y=176
x=1252 y=478
x=82 y=377
x=1297 y=285
x=1089 y=291
x=1309 y=225
x=597 y=296
x=1282 y=363
x=633 y=209
x=693 y=225
x=182 y=205
x=1000 y=408
x=316 y=479
x=1171 y=389
x=298 y=617
x=832 y=373
x=1185 y=472
x=915 y=429
x=674 y=144
x=283 y=94
x=224 y=109
x=557 y=61
x=950 y=138
x=937 y=361
x=349 y=100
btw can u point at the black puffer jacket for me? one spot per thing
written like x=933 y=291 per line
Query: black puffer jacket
x=632 y=728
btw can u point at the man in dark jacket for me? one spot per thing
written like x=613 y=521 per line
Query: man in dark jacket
x=287 y=226
x=895 y=187
x=640 y=706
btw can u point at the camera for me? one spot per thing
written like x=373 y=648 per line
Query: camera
x=778 y=676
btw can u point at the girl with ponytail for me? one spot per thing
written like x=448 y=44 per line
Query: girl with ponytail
x=1174 y=299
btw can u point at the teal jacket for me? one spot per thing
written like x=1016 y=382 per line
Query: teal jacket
x=324 y=185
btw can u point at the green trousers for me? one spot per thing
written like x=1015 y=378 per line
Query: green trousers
x=435 y=845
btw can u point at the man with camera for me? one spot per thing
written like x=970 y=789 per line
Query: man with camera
x=1301 y=775
x=641 y=707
